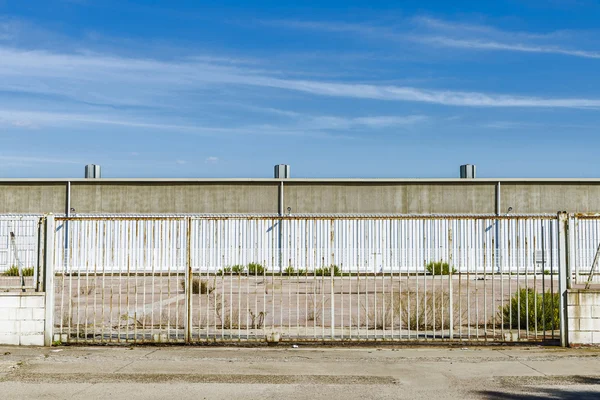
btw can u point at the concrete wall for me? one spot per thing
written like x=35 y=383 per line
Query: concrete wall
x=32 y=198
x=406 y=196
x=174 y=198
x=22 y=318
x=583 y=323
x=550 y=197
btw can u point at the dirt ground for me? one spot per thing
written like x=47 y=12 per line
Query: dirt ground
x=152 y=308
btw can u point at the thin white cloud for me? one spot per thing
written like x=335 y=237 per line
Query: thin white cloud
x=23 y=124
x=104 y=78
x=490 y=45
x=460 y=28
x=374 y=122
x=455 y=35
x=299 y=125
x=442 y=97
x=211 y=160
x=21 y=160
x=515 y=125
x=387 y=121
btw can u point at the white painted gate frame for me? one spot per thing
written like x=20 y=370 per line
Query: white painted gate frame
x=564 y=236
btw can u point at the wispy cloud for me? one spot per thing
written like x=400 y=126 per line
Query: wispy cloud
x=298 y=125
x=94 y=77
x=516 y=125
x=477 y=44
x=442 y=97
x=211 y=160
x=27 y=160
x=442 y=33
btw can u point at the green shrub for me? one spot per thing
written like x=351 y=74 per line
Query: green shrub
x=326 y=271
x=224 y=271
x=256 y=269
x=289 y=271
x=199 y=286
x=14 y=271
x=238 y=269
x=528 y=306
x=439 y=268
x=233 y=270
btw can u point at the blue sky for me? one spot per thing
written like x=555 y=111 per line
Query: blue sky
x=336 y=89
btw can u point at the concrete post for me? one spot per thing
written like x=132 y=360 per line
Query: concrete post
x=563 y=272
x=49 y=280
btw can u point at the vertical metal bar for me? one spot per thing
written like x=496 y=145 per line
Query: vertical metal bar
x=332 y=273
x=450 y=279
x=563 y=270
x=49 y=280
x=187 y=323
x=479 y=256
x=280 y=238
x=552 y=231
x=39 y=275
x=543 y=282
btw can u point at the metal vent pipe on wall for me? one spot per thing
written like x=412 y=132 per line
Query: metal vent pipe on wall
x=282 y=171
x=468 y=171
x=93 y=171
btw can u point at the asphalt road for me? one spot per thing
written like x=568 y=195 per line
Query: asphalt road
x=299 y=373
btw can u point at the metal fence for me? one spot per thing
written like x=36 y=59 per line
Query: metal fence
x=585 y=243
x=19 y=252
x=306 y=278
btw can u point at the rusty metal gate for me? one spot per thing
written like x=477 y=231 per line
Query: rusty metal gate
x=300 y=278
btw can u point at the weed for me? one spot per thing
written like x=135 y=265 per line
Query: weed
x=257 y=319
x=199 y=286
x=86 y=290
x=232 y=319
x=424 y=310
x=238 y=269
x=14 y=271
x=408 y=309
x=256 y=269
x=439 y=268
x=289 y=271
x=315 y=307
x=326 y=271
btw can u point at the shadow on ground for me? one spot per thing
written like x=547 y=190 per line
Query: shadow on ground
x=560 y=391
